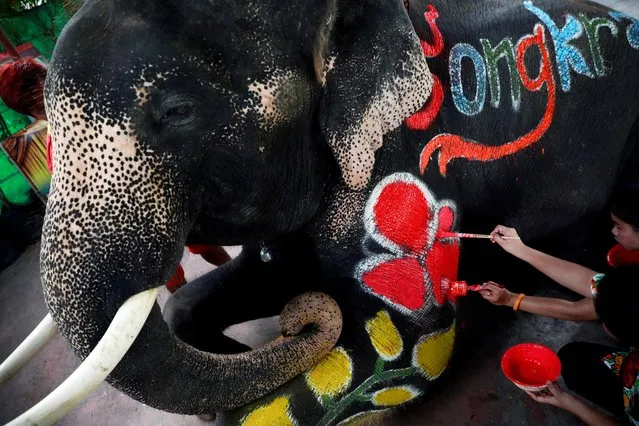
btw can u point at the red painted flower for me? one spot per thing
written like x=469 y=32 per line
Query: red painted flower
x=404 y=217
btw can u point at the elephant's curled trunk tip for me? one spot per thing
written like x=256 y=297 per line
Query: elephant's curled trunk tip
x=313 y=308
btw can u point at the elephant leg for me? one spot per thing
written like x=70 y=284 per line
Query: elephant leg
x=236 y=292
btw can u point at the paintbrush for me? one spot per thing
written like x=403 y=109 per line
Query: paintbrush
x=449 y=234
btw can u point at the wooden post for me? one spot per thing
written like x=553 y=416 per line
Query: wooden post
x=8 y=46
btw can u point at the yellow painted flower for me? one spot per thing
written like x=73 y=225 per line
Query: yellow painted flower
x=274 y=413
x=394 y=396
x=332 y=375
x=433 y=351
x=384 y=336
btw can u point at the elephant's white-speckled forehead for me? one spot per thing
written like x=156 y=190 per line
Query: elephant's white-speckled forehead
x=99 y=162
x=273 y=107
x=104 y=188
x=149 y=78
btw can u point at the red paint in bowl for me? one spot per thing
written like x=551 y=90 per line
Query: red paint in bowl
x=530 y=366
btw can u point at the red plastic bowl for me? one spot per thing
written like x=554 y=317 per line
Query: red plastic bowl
x=530 y=366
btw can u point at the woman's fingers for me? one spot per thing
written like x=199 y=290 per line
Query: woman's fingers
x=501 y=231
x=553 y=388
x=498 y=229
x=538 y=397
x=491 y=286
x=549 y=395
x=488 y=295
x=532 y=395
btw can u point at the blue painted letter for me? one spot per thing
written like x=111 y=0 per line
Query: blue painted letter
x=633 y=29
x=567 y=56
x=463 y=104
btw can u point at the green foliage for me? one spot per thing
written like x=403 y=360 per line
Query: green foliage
x=12 y=8
x=17 y=8
x=39 y=25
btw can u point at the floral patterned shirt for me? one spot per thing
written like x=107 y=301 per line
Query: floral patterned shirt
x=626 y=366
x=594 y=283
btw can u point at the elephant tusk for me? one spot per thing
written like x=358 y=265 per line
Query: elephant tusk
x=29 y=348
x=106 y=355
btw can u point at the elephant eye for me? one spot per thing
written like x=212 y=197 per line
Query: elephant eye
x=178 y=111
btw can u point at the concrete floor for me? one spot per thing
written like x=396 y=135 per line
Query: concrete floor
x=476 y=394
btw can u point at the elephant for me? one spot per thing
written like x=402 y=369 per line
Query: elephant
x=342 y=143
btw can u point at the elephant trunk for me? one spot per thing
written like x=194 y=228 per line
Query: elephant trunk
x=85 y=284
x=162 y=371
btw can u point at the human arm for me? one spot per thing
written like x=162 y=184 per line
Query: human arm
x=581 y=310
x=568 y=274
x=554 y=395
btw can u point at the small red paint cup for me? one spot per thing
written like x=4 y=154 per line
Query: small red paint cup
x=531 y=366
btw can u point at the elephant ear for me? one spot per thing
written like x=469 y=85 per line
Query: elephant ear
x=375 y=76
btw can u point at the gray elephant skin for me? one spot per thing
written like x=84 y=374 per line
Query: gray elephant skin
x=347 y=138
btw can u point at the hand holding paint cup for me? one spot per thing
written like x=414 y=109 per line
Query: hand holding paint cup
x=496 y=294
x=552 y=395
x=531 y=367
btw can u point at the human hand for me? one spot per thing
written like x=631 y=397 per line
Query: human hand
x=552 y=395
x=497 y=294
x=513 y=245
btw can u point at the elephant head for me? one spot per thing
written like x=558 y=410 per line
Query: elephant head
x=212 y=122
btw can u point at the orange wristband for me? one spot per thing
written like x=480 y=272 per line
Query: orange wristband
x=518 y=301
